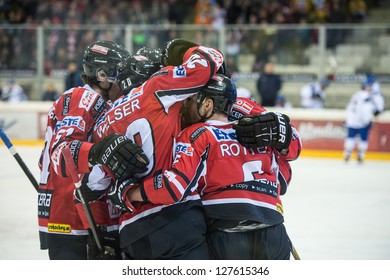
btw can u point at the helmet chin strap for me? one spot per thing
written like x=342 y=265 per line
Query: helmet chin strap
x=203 y=118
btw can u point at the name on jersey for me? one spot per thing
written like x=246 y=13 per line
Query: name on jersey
x=77 y=122
x=179 y=72
x=229 y=145
x=116 y=114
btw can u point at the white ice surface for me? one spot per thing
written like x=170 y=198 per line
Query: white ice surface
x=333 y=210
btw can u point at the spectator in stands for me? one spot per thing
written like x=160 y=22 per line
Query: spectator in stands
x=203 y=12
x=313 y=94
x=51 y=93
x=268 y=85
x=13 y=92
x=337 y=14
x=357 y=10
x=73 y=77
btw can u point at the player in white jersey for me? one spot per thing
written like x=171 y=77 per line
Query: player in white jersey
x=313 y=94
x=360 y=112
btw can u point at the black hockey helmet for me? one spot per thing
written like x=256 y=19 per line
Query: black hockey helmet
x=103 y=55
x=153 y=55
x=222 y=91
x=134 y=71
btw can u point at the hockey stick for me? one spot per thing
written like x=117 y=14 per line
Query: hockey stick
x=71 y=167
x=16 y=155
x=294 y=252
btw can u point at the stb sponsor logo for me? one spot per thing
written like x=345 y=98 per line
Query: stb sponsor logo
x=184 y=148
x=179 y=72
x=223 y=134
x=59 y=228
x=77 y=122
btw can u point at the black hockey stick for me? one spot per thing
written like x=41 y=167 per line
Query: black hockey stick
x=16 y=155
x=71 y=167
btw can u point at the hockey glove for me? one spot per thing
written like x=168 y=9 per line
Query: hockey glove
x=174 y=50
x=120 y=155
x=266 y=129
x=118 y=194
x=110 y=243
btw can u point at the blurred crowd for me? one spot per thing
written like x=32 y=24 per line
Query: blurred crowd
x=65 y=44
x=177 y=12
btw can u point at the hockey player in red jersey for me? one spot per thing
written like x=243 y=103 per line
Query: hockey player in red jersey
x=238 y=186
x=63 y=228
x=150 y=115
x=249 y=107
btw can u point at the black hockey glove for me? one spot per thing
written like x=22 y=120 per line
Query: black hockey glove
x=117 y=193
x=110 y=243
x=174 y=50
x=120 y=155
x=264 y=130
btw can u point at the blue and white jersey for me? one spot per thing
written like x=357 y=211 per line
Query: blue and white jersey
x=361 y=108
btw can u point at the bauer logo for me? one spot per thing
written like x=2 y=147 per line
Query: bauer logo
x=184 y=148
x=59 y=228
x=179 y=72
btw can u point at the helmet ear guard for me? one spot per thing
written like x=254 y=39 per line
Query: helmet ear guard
x=154 y=55
x=222 y=91
x=133 y=72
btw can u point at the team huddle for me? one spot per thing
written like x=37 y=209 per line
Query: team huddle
x=173 y=164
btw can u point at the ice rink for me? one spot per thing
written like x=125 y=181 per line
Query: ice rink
x=333 y=210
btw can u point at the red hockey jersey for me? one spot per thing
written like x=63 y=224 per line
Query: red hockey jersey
x=248 y=106
x=71 y=117
x=150 y=115
x=235 y=183
x=205 y=152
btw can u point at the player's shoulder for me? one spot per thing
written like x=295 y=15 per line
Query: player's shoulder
x=246 y=106
x=192 y=132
